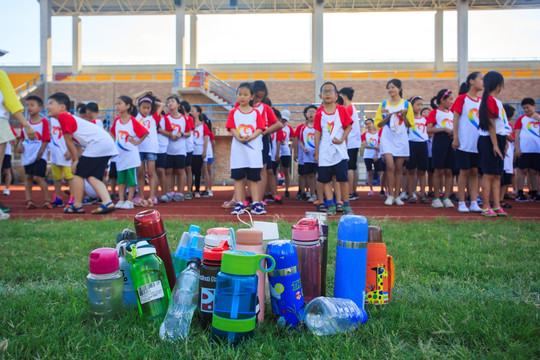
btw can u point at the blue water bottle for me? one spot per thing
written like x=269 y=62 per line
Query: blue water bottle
x=285 y=285
x=129 y=298
x=351 y=258
x=187 y=249
x=235 y=299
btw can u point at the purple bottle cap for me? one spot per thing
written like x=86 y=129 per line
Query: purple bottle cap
x=307 y=229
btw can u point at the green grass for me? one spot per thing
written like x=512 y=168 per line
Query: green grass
x=463 y=290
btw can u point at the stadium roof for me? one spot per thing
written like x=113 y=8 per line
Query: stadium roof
x=163 y=7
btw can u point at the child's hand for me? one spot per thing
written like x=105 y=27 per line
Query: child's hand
x=175 y=137
x=67 y=155
x=20 y=149
x=316 y=158
x=497 y=152
x=336 y=141
x=132 y=141
x=306 y=151
x=74 y=166
x=450 y=132
x=517 y=153
x=455 y=144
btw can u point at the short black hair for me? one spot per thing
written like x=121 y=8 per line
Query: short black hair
x=93 y=107
x=246 y=85
x=348 y=92
x=329 y=83
x=528 y=101
x=62 y=99
x=509 y=110
x=369 y=119
x=36 y=99
x=186 y=105
x=307 y=108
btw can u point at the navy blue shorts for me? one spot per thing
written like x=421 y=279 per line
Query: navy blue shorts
x=301 y=169
x=266 y=149
x=285 y=161
x=147 y=156
x=506 y=179
x=488 y=162
x=176 y=162
x=370 y=164
x=251 y=174
x=6 y=164
x=189 y=158
x=94 y=167
x=113 y=174
x=275 y=165
x=38 y=168
x=353 y=159
x=430 y=165
x=529 y=161
x=466 y=160
x=310 y=168
x=339 y=170
x=418 y=158
x=161 y=161
x=443 y=155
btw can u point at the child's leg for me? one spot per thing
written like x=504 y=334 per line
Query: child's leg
x=422 y=177
x=121 y=191
x=390 y=173
x=209 y=181
x=384 y=181
x=495 y=190
x=313 y=184
x=272 y=181
x=253 y=187
x=131 y=193
x=169 y=180
x=78 y=190
x=487 y=180
x=287 y=177
x=7 y=178
x=151 y=168
x=533 y=180
x=162 y=180
x=462 y=183
x=239 y=191
x=320 y=191
x=337 y=190
x=29 y=181
x=140 y=179
x=328 y=192
x=398 y=163
x=262 y=184
x=437 y=175
x=58 y=188
x=181 y=174
x=355 y=182
x=98 y=185
x=44 y=188
x=189 y=177
x=411 y=181
x=473 y=184
x=113 y=186
x=448 y=183
x=370 y=179
x=344 y=188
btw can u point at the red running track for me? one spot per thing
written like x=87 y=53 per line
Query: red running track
x=291 y=210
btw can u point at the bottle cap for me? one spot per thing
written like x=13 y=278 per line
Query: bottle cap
x=353 y=228
x=283 y=252
x=194 y=229
x=216 y=253
x=143 y=248
x=307 y=229
x=218 y=231
x=195 y=260
x=148 y=224
x=103 y=261
x=245 y=263
x=249 y=237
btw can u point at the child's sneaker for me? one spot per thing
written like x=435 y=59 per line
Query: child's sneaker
x=7 y=192
x=57 y=202
x=462 y=208
x=437 y=203
x=371 y=193
x=413 y=198
x=398 y=201
x=447 y=203
x=339 y=207
x=287 y=193
x=4 y=216
x=389 y=200
x=279 y=200
x=479 y=200
x=137 y=201
x=321 y=207
x=258 y=209
x=331 y=210
x=120 y=204
x=475 y=208
x=312 y=198
x=188 y=196
x=128 y=205
x=488 y=212
x=347 y=210
x=238 y=209
x=196 y=195
x=382 y=193
x=178 y=197
x=499 y=211
x=164 y=198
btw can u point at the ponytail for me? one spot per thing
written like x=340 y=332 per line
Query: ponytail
x=129 y=101
x=441 y=95
x=466 y=86
x=491 y=80
x=397 y=83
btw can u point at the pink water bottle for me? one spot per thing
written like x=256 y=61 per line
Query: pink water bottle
x=252 y=240
x=306 y=239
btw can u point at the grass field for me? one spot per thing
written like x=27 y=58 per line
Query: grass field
x=463 y=290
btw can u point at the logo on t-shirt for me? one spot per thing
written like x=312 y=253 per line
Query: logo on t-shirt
x=330 y=127
x=245 y=130
x=447 y=123
x=56 y=134
x=122 y=138
x=145 y=123
x=534 y=128
x=196 y=134
x=419 y=128
x=473 y=117
x=177 y=129
x=372 y=142
x=310 y=140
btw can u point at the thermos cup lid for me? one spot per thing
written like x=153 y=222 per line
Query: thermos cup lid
x=353 y=228
x=216 y=253
x=307 y=229
x=218 y=231
x=283 y=252
x=103 y=261
x=148 y=224
x=236 y=262
x=249 y=237
x=143 y=248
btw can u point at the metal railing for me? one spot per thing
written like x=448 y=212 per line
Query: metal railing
x=22 y=89
x=206 y=81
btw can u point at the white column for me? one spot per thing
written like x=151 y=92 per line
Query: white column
x=462 y=40
x=439 y=54
x=45 y=68
x=76 y=57
x=193 y=62
x=318 y=46
x=180 y=39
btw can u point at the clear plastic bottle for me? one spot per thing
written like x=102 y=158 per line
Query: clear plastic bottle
x=105 y=284
x=328 y=316
x=182 y=304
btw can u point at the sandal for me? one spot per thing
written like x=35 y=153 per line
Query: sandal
x=74 y=210
x=30 y=205
x=228 y=204
x=104 y=209
x=47 y=205
x=505 y=205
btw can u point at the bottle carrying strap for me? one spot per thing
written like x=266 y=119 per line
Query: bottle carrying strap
x=232 y=236
x=245 y=223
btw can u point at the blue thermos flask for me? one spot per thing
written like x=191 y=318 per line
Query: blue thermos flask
x=285 y=285
x=351 y=259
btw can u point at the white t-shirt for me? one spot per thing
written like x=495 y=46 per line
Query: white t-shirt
x=31 y=147
x=467 y=108
x=307 y=136
x=8 y=144
x=354 y=140
x=98 y=122
x=246 y=155
x=441 y=119
x=419 y=133
x=210 y=148
x=189 y=140
x=95 y=140
x=163 y=141
x=285 y=149
x=300 y=152
x=198 y=138
x=529 y=136
x=371 y=140
x=332 y=126
x=150 y=143
x=128 y=154
x=502 y=127
x=179 y=126
x=58 y=145
x=276 y=138
x=394 y=137
x=509 y=159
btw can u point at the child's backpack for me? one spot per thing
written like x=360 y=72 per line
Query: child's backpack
x=380 y=269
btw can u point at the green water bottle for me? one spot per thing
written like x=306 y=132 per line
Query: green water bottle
x=149 y=281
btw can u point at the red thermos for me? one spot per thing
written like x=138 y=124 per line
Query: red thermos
x=148 y=224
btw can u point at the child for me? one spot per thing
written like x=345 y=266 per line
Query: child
x=353 y=141
x=306 y=139
x=246 y=124
x=418 y=158
x=332 y=126
x=465 y=141
x=439 y=123
x=299 y=153
x=276 y=139
x=285 y=150
x=60 y=162
x=92 y=114
x=508 y=167
x=177 y=149
x=91 y=165
x=148 y=117
x=128 y=133
x=6 y=164
x=208 y=163
x=527 y=150
x=164 y=131
x=201 y=139
x=494 y=129
x=394 y=116
x=186 y=107
x=34 y=157
x=370 y=142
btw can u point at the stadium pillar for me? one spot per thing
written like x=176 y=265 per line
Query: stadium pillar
x=462 y=39
x=76 y=61
x=439 y=39
x=45 y=67
x=317 y=43
x=193 y=42
x=180 y=40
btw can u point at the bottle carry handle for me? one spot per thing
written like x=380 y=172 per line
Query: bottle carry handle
x=267 y=258
x=308 y=222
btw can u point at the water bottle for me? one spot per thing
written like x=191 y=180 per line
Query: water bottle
x=211 y=265
x=149 y=281
x=252 y=240
x=351 y=258
x=306 y=236
x=129 y=298
x=182 y=304
x=215 y=236
x=148 y=224
x=236 y=295
x=323 y=228
x=187 y=249
x=104 y=283
x=328 y=316
x=126 y=234
x=285 y=285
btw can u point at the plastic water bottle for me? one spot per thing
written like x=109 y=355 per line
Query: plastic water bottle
x=104 y=283
x=328 y=316
x=129 y=298
x=306 y=239
x=182 y=304
x=187 y=249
